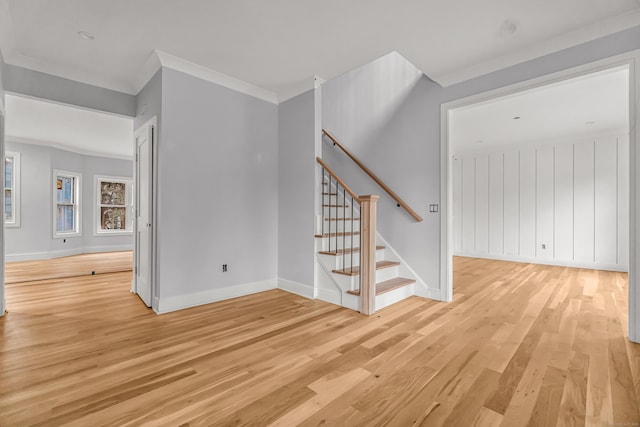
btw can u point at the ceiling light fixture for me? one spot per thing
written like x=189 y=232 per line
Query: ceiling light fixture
x=516 y=118
x=508 y=28
x=590 y=122
x=85 y=35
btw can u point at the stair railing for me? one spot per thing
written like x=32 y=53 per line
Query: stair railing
x=339 y=213
x=385 y=187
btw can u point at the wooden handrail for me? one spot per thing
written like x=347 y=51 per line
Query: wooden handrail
x=373 y=176
x=337 y=178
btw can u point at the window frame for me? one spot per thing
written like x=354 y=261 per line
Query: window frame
x=128 y=182
x=77 y=204
x=15 y=189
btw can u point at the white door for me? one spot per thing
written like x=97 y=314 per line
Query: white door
x=144 y=212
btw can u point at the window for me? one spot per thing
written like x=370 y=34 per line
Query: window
x=12 y=189
x=114 y=205
x=66 y=199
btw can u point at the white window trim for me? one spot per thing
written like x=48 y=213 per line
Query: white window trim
x=96 y=197
x=78 y=204
x=15 y=190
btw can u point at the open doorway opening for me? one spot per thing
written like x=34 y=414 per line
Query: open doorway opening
x=69 y=197
x=540 y=184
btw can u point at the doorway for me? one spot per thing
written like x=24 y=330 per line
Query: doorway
x=144 y=266
x=68 y=199
x=451 y=238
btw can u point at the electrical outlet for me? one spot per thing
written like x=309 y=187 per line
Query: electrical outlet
x=433 y=208
x=544 y=246
x=224 y=268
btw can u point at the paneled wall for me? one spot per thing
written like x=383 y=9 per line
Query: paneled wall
x=563 y=203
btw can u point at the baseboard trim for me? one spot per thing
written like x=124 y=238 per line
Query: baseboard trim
x=180 y=302
x=561 y=263
x=329 y=295
x=296 y=288
x=430 y=293
x=33 y=256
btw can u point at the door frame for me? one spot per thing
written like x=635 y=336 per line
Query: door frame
x=153 y=124
x=3 y=298
x=630 y=59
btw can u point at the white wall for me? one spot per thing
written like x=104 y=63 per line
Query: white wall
x=572 y=197
x=34 y=238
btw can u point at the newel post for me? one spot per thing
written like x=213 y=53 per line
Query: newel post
x=368 y=254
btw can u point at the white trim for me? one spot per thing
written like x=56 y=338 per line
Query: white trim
x=296 y=288
x=330 y=295
x=179 y=302
x=539 y=261
x=630 y=59
x=64 y=147
x=77 y=203
x=15 y=190
x=204 y=73
x=153 y=123
x=32 y=256
x=148 y=70
x=128 y=181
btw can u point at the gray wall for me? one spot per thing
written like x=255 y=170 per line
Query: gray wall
x=46 y=86
x=34 y=236
x=404 y=150
x=296 y=189
x=218 y=160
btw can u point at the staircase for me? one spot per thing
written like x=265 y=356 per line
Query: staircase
x=344 y=215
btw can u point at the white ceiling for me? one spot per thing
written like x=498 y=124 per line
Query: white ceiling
x=88 y=132
x=594 y=104
x=279 y=45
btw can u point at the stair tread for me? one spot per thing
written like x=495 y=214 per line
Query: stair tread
x=354 y=271
x=347 y=251
x=388 y=285
x=348 y=233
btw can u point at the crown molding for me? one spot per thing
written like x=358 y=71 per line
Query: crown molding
x=65 y=147
x=196 y=70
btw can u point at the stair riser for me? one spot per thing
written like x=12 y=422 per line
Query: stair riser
x=353 y=282
x=387 y=273
x=394 y=296
x=339 y=243
x=336 y=262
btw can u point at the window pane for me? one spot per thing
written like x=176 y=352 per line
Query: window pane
x=8 y=172
x=60 y=219
x=112 y=193
x=8 y=201
x=69 y=217
x=65 y=219
x=65 y=193
x=113 y=218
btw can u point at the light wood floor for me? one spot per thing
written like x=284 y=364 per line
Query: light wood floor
x=519 y=345
x=77 y=265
